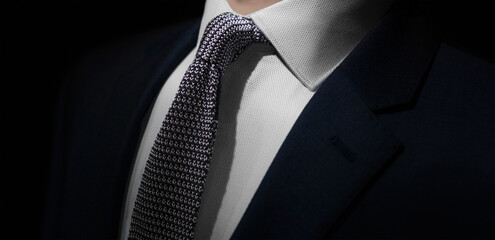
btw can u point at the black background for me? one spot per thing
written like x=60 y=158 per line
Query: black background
x=41 y=40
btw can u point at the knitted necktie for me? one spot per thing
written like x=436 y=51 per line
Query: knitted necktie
x=170 y=192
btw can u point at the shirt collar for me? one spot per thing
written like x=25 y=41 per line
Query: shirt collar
x=312 y=36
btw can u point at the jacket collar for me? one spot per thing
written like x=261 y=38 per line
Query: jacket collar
x=388 y=66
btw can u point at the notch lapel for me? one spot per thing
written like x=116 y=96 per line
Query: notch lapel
x=333 y=150
x=338 y=144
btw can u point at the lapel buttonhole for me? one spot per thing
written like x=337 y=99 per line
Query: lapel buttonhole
x=343 y=149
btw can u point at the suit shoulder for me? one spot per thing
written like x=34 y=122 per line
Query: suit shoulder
x=121 y=54
x=100 y=69
x=97 y=77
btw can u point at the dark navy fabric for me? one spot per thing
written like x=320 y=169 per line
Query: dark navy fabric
x=101 y=112
x=398 y=143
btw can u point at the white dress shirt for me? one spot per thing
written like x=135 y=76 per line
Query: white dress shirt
x=263 y=92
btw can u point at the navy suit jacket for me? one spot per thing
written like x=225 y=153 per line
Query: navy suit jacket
x=398 y=142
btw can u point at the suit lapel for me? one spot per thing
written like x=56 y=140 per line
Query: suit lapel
x=144 y=83
x=333 y=150
x=338 y=145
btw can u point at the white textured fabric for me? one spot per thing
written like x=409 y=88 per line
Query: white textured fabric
x=263 y=93
x=314 y=36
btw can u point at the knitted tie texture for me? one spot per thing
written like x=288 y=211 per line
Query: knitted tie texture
x=170 y=192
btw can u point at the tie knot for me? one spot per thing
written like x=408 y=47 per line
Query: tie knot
x=226 y=36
